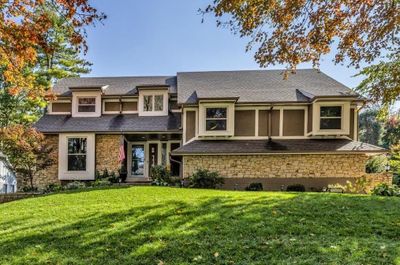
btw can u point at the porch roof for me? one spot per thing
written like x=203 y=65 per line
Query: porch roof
x=109 y=123
x=300 y=146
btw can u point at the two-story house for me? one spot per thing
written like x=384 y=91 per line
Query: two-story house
x=250 y=126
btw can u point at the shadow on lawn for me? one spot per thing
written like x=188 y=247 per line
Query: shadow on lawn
x=306 y=229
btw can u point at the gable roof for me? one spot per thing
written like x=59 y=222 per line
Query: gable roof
x=258 y=86
x=114 y=85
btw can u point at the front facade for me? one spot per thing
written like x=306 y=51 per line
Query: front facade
x=250 y=126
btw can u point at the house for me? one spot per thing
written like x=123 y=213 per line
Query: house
x=250 y=126
x=8 y=181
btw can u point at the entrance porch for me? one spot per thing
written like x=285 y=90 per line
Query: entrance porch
x=146 y=150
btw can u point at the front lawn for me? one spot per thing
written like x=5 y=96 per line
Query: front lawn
x=151 y=225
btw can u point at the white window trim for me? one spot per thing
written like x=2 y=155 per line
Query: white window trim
x=230 y=113
x=75 y=98
x=153 y=93
x=63 y=173
x=50 y=108
x=345 y=119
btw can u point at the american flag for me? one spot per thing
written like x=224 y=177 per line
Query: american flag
x=121 y=155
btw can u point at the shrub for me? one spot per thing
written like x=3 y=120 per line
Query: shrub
x=255 y=186
x=384 y=189
x=100 y=183
x=296 y=187
x=53 y=188
x=205 y=179
x=361 y=185
x=107 y=176
x=75 y=185
x=376 y=164
x=160 y=176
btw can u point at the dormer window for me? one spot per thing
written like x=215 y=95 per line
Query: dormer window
x=153 y=102
x=86 y=104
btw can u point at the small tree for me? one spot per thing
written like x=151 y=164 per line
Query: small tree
x=26 y=150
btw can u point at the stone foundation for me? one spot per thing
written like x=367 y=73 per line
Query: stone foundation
x=314 y=171
x=107 y=150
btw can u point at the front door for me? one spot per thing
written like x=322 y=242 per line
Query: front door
x=138 y=161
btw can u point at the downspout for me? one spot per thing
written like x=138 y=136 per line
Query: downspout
x=120 y=105
x=270 y=123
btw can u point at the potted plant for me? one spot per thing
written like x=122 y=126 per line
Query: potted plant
x=123 y=174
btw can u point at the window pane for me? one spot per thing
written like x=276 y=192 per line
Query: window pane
x=216 y=113
x=76 y=162
x=158 y=103
x=330 y=124
x=85 y=108
x=76 y=145
x=87 y=101
x=147 y=104
x=335 y=111
x=216 y=125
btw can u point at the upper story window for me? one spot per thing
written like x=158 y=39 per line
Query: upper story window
x=216 y=119
x=77 y=148
x=330 y=118
x=86 y=104
x=153 y=102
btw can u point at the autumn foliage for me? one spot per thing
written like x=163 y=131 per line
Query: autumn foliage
x=291 y=32
x=26 y=151
x=22 y=33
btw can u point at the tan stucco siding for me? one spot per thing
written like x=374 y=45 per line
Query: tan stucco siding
x=293 y=122
x=309 y=118
x=263 y=123
x=129 y=106
x=245 y=122
x=61 y=107
x=190 y=127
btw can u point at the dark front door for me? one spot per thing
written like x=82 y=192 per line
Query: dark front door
x=153 y=156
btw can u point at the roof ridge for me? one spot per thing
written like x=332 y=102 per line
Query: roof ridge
x=249 y=70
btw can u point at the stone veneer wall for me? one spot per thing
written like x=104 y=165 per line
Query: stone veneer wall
x=49 y=175
x=107 y=150
x=276 y=171
x=279 y=166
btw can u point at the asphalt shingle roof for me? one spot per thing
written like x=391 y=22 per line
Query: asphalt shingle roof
x=116 y=85
x=258 y=86
x=276 y=146
x=109 y=123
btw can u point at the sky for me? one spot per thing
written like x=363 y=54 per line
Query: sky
x=158 y=37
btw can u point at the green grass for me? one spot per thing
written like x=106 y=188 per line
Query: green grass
x=150 y=225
